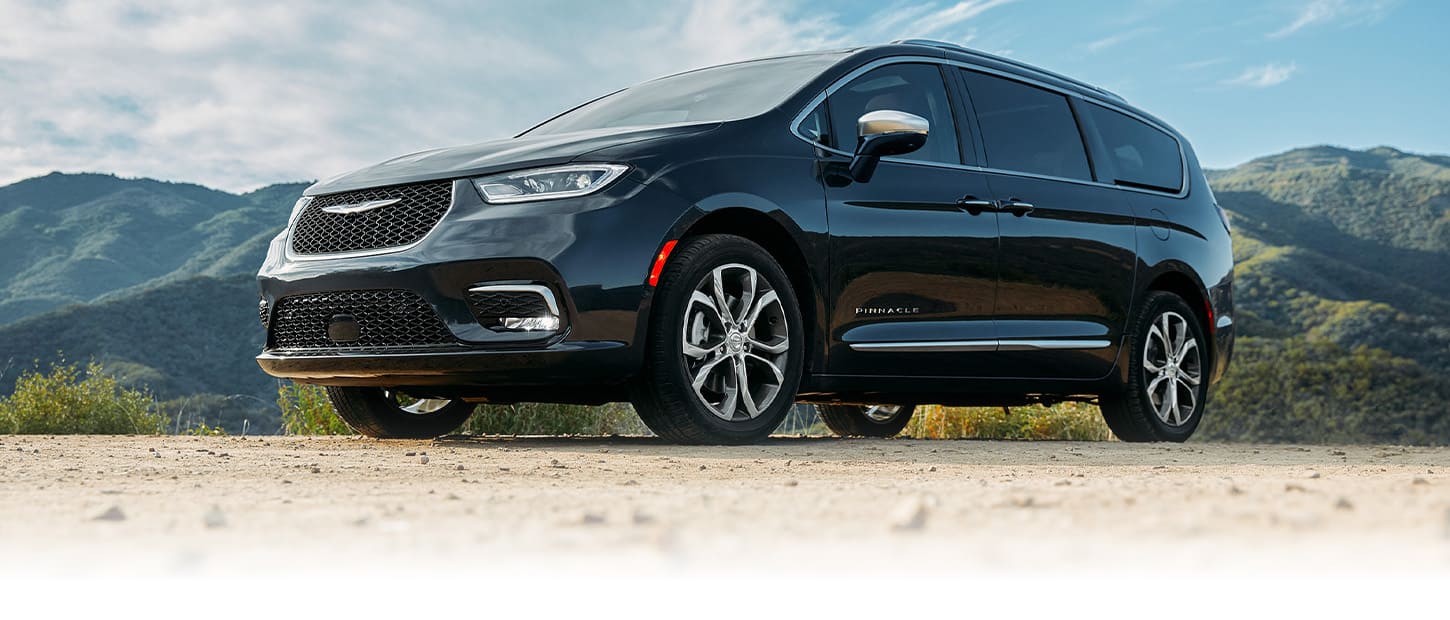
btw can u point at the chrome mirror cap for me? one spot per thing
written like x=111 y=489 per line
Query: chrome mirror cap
x=891 y=121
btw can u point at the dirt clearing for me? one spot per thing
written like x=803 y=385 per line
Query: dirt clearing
x=219 y=505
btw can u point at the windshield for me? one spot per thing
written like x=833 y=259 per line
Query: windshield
x=724 y=93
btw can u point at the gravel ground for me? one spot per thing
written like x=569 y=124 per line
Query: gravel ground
x=85 y=505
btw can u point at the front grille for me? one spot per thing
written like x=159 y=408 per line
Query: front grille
x=489 y=306
x=421 y=206
x=385 y=318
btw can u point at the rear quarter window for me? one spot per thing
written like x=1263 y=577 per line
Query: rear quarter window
x=1142 y=155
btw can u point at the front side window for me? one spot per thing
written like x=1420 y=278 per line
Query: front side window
x=1143 y=156
x=1027 y=129
x=908 y=87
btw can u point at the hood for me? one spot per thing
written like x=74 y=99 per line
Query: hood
x=495 y=156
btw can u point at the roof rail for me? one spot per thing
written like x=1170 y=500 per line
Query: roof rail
x=1010 y=61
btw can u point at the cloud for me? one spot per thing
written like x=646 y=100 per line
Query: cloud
x=1264 y=76
x=238 y=95
x=1114 y=39
x=1318 y=12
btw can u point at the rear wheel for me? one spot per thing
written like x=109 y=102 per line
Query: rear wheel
x=1167 y=384
x=725 y=350
x=390 y=414
x=866 y=420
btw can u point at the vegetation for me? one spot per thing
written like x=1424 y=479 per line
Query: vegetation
x=67 y=400
x=1067 y=421
x=306 y=411
x=1316 y=391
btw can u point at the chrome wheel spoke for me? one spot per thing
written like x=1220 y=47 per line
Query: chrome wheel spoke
x=765 y=301
x=742 y=379
x=774 y=348
x=717 y=278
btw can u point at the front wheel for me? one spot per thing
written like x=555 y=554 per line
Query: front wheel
x=390 y=414
x=866 y=420
x=1167 y=385
x=725 y=352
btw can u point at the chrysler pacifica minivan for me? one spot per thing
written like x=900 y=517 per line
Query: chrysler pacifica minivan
x=865 y=229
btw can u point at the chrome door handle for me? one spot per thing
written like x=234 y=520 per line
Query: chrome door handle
x=975 y=206
x=1016 y=207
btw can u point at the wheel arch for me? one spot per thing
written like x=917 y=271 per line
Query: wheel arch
x=1185 y=285
x=780 y=242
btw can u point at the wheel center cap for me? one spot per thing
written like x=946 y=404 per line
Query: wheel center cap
x=735 y=340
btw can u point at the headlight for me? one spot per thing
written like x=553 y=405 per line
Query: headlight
x=548 y=183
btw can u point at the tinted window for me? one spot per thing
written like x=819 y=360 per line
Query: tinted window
x=727 y=92
x=816 y=126
x=913 y=88
x=1142 y=155
x=1027 y=129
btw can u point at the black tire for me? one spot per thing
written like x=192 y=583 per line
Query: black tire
x=861 y=421
x=374 y=412
x=664 y=394
x=1131 y=412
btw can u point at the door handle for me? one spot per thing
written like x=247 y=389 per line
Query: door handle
x=975 y=206
x=1016 y=207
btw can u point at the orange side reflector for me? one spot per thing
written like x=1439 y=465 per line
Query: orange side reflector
x=655 y=269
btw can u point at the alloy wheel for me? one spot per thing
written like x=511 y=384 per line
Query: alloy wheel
x=415 y=406
x=736 y=343
x=882 y=413
x=1172 y=369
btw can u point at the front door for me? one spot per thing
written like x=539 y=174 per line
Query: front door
x=913 y=262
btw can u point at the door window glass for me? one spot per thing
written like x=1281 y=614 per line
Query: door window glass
x=1027 y=129
x=907 y=87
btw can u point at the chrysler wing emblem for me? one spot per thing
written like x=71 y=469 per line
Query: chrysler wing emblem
x=361 y=206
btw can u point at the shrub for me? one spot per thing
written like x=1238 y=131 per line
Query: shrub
x=67 y=400
x=550 y=419
x=307 y=411
x=1064 y=421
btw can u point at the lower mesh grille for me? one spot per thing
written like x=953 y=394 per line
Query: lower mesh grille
x=385 y=318
x=494 y=305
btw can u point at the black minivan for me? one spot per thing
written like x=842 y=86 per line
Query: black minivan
x=865 y=229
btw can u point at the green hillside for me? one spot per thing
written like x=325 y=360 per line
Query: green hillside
x=76 y=238
x=1340 y=281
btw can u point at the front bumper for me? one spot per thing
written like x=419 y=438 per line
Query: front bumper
x=593 y=253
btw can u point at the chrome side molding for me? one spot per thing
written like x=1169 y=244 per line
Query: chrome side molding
x=960 y=346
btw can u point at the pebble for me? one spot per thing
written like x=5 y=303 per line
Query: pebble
x=1344 y=504
x=792 y=483
x=410 y=454
x=458 y=468
x=1295 y=487
x=1419 y=481
x=111 y=514
x=1312 y=475
x=423 y=459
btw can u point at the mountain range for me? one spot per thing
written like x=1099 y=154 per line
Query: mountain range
x=1341 y=280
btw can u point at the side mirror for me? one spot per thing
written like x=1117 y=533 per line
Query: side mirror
x=884 y=133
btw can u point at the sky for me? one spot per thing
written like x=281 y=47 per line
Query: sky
x=241 y=94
